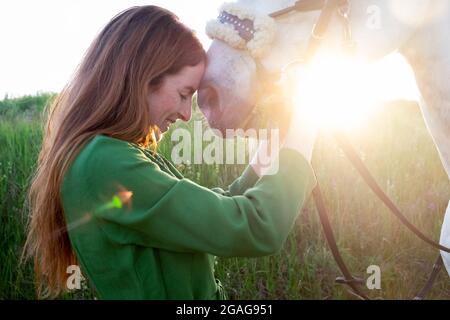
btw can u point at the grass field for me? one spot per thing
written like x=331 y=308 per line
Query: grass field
x=395 y=146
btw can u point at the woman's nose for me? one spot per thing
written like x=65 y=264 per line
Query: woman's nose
x=186 y=111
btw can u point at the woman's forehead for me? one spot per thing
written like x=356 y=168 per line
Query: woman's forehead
x=188 y=77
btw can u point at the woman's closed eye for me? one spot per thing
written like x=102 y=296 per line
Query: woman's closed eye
x=186 y=93
x=184 y=97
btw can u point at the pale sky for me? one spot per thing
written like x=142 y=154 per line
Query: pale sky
x=42 y=41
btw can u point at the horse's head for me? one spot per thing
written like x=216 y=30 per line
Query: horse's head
x=236 y=78
x=234 y=86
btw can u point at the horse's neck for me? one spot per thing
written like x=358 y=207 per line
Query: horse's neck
x=383 y=26
x=428 y=52
x=375 y=26
x=419 y=30
x=420 y=33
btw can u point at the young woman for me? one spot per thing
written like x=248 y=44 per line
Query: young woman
x=101 y=199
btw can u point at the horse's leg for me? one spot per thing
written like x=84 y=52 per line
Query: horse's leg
x=445 y=238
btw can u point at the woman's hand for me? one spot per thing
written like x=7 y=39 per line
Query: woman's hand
x=302 y=129
x=302 y=132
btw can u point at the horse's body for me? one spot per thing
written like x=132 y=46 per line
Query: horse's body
x=418 y=29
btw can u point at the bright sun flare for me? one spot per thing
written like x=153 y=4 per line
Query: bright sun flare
x=341 y=93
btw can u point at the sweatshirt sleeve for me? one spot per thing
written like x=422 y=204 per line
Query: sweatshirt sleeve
x=161 y=211
x=247 y=180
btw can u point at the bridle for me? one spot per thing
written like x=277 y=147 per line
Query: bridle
x=328 y=9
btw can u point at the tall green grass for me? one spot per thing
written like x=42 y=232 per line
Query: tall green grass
x=395 y=146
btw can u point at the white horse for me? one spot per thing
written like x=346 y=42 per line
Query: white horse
x=418 y=29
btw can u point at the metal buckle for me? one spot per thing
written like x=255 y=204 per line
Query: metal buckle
x=348 y=45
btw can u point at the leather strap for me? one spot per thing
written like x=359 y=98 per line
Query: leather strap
x=347 y=278
x=369 y=179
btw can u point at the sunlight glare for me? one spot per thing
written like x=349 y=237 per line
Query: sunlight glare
x=342 y=93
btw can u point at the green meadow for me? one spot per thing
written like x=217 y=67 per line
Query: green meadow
x=396 y=147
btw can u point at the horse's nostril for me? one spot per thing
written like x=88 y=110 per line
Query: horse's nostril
x=208 y=98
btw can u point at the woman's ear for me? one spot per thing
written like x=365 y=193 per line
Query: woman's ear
x=152 y=87
x=154 y=84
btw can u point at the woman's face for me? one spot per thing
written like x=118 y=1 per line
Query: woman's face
x=172 y=98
